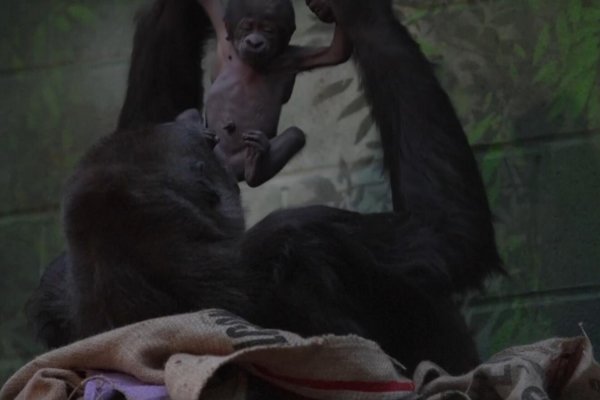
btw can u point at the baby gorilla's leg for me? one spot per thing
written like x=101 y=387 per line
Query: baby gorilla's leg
x=265 y=158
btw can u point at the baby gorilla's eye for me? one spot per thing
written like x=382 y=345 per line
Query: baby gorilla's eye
x=245 y=25
x=269 y=30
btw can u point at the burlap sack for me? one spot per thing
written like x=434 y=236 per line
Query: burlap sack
x=555 y=369
x=185 y=351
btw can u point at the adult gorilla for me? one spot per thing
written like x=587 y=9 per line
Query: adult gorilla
x=154 y=224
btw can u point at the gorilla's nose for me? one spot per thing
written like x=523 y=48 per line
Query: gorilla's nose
x=255 y=43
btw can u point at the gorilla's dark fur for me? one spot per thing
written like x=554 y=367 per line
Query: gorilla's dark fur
x=154 y=224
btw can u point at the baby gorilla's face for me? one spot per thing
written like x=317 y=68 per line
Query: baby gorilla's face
x=257 y=42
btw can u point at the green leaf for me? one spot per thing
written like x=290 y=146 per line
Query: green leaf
x=477 y=131
x=355 y=106
x=581 y=92
x=535 y=4
x=519 y=50
x=39 y=42
x=50 y=100
x=81 y=13
x=429 y=49
x=572 y=100
x=584 y=64
x=61 y=23
x=587 y=31
x=493 y=192
x=487 y=101
x=542 y=45
x=16 y=62
x=593 y=113
x=514 y=71
x=574 y=11
x=592 y=15
x=548 y=74
x=586 y=56
x=416 y=15
x=505 y=17
x=490 y=164
x=515 y=241
x=563 y=34
x=363 y=129
x=332 y=89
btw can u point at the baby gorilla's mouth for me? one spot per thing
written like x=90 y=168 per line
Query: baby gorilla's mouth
x=256 y=57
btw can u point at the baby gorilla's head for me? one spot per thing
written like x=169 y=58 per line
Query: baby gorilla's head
x=259 y=29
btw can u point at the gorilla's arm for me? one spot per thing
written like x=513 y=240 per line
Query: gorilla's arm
x=165 y=76
x=433 y=173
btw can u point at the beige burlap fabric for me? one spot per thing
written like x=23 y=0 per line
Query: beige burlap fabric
x=184 y=352
x=555 y=369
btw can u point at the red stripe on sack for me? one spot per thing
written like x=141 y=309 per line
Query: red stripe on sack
x=355 y=386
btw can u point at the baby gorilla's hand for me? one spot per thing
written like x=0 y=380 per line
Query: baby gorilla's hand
x=322 y=9
x=210 y=136
x=256 y=142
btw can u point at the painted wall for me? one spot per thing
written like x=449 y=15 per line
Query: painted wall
x=523 y=74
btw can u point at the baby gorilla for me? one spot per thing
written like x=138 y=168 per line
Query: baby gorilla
x=254 y=76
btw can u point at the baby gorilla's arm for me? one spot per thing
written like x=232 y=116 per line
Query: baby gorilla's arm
x=214 y=10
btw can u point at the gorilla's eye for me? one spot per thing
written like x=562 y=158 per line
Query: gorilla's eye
x=245 y=25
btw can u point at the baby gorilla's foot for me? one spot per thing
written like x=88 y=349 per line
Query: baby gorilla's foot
x=257 y=145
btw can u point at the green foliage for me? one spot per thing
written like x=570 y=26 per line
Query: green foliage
x=41 y=42
x=81 y=13
x=515 y=324
x=578 y=34
x=46 y=38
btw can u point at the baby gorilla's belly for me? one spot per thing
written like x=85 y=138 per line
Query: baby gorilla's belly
x=232 y=110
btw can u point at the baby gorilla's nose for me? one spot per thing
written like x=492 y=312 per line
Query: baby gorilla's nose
x=255 y=42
